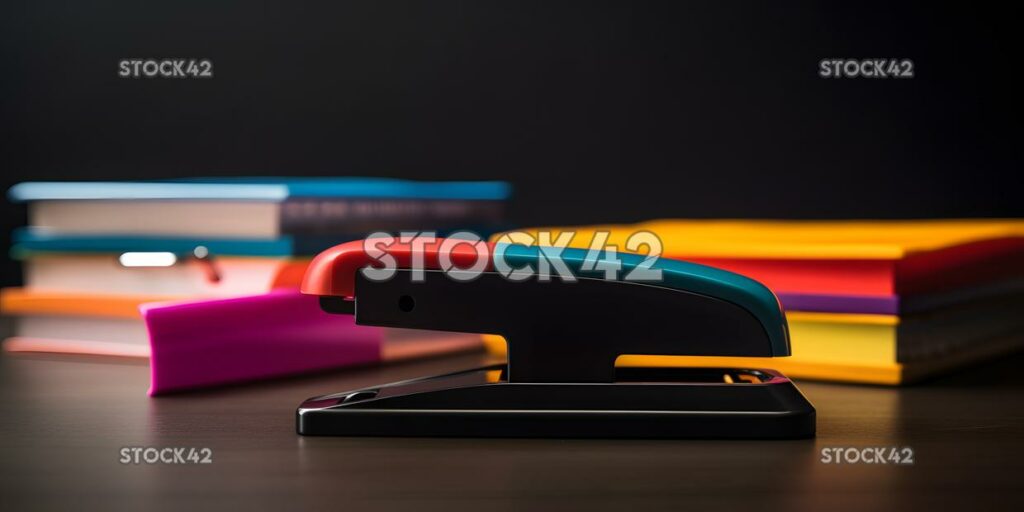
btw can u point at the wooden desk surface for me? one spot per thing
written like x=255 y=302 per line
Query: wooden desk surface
x=64 y=422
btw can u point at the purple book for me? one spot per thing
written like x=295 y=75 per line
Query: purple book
x=894 y=304
x=823 y=303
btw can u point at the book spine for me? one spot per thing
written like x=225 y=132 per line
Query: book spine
x=306 y=216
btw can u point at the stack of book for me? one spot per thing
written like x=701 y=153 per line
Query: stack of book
x=885 y=302
x=201 y=276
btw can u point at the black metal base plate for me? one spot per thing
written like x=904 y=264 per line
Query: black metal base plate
x=642 y=403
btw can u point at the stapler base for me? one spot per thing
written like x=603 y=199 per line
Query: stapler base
x=642 y=403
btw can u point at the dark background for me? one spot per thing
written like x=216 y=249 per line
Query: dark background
x=595 y=111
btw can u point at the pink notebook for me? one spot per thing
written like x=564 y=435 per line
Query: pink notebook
x=213 y=342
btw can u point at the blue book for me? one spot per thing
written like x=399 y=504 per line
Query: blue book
x=260 y=189
x=247 y=216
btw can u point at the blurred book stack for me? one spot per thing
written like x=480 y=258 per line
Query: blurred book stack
x=885 y=302
x=201 y=275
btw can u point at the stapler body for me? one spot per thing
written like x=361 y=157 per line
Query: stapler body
x=563 y=339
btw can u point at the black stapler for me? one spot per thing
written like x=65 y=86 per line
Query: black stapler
x=563 y=339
